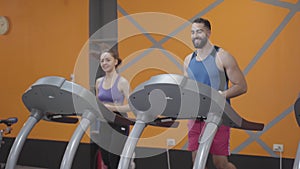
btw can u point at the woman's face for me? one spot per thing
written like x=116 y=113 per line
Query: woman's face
x=108 y=62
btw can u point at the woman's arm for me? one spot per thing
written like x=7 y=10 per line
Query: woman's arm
x=97 y=85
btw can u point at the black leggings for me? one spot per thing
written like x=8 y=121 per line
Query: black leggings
x=114 y=138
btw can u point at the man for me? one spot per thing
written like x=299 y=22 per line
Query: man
x=215 y=67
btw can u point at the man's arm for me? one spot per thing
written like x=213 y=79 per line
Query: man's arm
x=234 y=73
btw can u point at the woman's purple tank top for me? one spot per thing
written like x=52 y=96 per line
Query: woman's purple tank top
x=112 y=95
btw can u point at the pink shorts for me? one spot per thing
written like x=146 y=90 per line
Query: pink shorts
x=220 y=144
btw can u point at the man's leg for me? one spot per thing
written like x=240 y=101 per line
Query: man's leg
x=194 y=154
x=195 y=128
x=220 y=149
x=221 y=162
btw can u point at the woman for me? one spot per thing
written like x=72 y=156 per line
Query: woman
x=112 y=90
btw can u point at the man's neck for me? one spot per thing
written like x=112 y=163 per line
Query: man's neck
x=202 y=53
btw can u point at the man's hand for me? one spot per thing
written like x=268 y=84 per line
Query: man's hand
x=222 y=93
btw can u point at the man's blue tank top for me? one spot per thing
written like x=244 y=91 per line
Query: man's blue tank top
x=207 y=72
x=112 y=95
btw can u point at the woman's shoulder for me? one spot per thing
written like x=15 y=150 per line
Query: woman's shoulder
x=123 y=80
x=99 y=80
x=124 y=86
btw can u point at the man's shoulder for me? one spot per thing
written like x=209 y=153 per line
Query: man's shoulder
x=222 y=52
x=217 y=48
x=188 y=57
x=224 y=56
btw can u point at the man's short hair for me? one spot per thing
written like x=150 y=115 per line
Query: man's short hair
x=204 y=21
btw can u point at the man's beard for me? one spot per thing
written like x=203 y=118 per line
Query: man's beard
x=202 y=43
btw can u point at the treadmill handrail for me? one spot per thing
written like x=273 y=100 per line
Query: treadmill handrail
x=202 y=92
x=56 y=96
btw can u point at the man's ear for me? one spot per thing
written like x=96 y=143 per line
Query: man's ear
x=208 y=33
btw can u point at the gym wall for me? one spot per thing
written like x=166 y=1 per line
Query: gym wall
x=45 y=39
x=263 y=36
